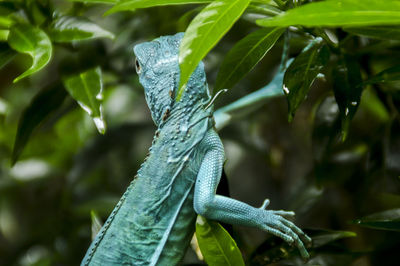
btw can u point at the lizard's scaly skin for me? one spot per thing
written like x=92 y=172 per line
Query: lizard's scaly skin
x=154 y=220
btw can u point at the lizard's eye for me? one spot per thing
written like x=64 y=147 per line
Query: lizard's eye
x=137 y=66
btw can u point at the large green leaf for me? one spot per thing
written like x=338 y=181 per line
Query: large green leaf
x=67 y=29
x=245 y=55
x=301 y=73
x=377 y=32
x=87 y=89
x=40 y=108
x=33 y=41
x=347 y=88
x=131 y=5
x=386 y=220
x=338 y=13
x=216 y=245
x=203 y=33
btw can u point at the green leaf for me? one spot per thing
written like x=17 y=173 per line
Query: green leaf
x=87 y=88
x=4 y=35
x=6 y=9
x=273 y=250
x=44 y=103
x=203 y=33
x=33 y=41
x=96 y=223
x=68 y=29
x=387 y=75
x=263 y=9
x=376 y=32
x=245 y=55
x=386 y=220
x=347 y=90
x=5 y=22
x=126 y=5
x=338 y=13
x=302 y=72
x=6 y=55
x=322 y=237
x=110 y=2
x=216 y=245
x=37 y=12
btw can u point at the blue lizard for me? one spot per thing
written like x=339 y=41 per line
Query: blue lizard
x=154 y=220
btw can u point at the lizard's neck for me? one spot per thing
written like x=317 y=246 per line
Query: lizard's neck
x=183 y=124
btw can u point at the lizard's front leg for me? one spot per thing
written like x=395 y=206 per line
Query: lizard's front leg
x=227 y=210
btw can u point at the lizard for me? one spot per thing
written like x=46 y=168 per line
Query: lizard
x=153 y=222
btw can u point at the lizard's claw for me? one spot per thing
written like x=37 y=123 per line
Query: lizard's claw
x=265 y=204
x=275 y=223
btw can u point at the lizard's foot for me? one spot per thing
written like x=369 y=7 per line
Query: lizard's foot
x=275 y=222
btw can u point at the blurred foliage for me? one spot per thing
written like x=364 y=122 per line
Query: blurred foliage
x=337 y=164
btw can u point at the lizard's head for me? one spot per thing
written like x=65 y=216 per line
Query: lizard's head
x=158 y=69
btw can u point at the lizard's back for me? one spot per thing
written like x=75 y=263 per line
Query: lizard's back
x=154 y=220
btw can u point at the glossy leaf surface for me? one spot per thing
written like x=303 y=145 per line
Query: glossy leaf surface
x=261 y=8
x=301 y=73
x=216 y=245
x=386 y=220
x=245 y=55
x=125 y=5
x=377 y=32
x=47 y=101
x=87 y=88
x=203 y=33
x=347 y=89
x=67 y=29
x=338 y=13
x=33 y=41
